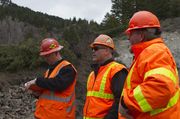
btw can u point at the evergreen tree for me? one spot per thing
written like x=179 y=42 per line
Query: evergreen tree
x=159 y=7
x=123 y=9
x=5 y=2
x=175 y=8
x=110 y=21
x=117 y=8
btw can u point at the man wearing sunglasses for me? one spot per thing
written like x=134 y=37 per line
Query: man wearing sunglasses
x=105 y=82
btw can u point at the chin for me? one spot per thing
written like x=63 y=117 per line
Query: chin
x=94 y=60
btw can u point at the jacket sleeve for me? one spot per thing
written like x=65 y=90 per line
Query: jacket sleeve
x=156 y=86
x=117 y=85
x=63 y=79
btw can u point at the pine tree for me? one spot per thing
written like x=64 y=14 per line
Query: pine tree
x=109 y=21
x=5 y=2
x=117 y=9
x=159 y=7
x=175 y=8
x=123 y=9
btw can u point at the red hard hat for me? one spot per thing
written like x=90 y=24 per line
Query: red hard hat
x=143 y=19
x=49 y=45
x=103 y=40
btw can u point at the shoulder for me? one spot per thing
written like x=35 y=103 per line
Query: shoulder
x=156 y=55
x=69 y=68
x=68 y=65
x=154 y=52
x=155 y=49
x=118 y=68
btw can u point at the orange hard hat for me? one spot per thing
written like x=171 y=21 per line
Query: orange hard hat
x=49 y=45
x=143 y=19
x=103 y=40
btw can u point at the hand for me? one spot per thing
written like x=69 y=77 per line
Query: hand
x=124 y=112
x=29 y=83
x=36 y=94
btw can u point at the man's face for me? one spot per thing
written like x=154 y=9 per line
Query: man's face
x=99 y=53
x=135 y=37
x=49 y=58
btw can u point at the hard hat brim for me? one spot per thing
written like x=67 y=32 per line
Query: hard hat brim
x=51 y=51
x=142 y=27
x=93 y=45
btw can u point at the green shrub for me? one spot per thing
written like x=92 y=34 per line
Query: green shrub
x=67 y=53
x=25 y=55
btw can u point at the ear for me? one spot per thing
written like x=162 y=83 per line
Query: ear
x=56 y=53
x=142 y=36
x=108 y=51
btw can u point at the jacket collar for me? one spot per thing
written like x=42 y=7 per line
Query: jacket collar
x=107 y=62
x=138 y=48
x=55 y=64
x=95 y=67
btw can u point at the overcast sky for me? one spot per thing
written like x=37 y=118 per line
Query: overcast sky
x=85 y=9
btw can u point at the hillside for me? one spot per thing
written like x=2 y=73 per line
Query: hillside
x=15 y=103
x=21 y=30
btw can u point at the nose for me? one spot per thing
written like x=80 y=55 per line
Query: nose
x=93 y=50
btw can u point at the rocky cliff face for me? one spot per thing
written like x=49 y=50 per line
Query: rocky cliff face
x=12 y=31
x=172 y=39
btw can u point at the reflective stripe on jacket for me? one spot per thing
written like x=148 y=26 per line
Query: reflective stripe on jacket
x=99 y=97
x=56 y=105
x=152 y=86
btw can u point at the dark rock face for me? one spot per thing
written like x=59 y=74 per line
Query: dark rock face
x=15 y=103
x=14 y=31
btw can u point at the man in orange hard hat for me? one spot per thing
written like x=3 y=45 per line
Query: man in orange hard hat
x=56 y=88
x=152 y=86
x=105 y=82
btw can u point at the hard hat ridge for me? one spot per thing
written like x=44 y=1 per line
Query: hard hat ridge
x=49 y=45
x=103 y=40
x=143 y=19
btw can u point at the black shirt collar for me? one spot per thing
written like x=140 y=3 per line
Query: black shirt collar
x=107 y=62
x=95 y=67
x=55 y=64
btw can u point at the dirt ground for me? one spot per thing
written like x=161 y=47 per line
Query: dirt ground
x=16 y=103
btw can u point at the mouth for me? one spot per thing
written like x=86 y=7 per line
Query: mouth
x=93 y=55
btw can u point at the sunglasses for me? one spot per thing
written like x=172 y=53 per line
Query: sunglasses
x=97 y=48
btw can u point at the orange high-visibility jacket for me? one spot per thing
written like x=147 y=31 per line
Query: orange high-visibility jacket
x=56 y=105
x=152 y=86
x=100 y=98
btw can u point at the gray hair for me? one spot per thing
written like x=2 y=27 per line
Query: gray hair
x=151 y=33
